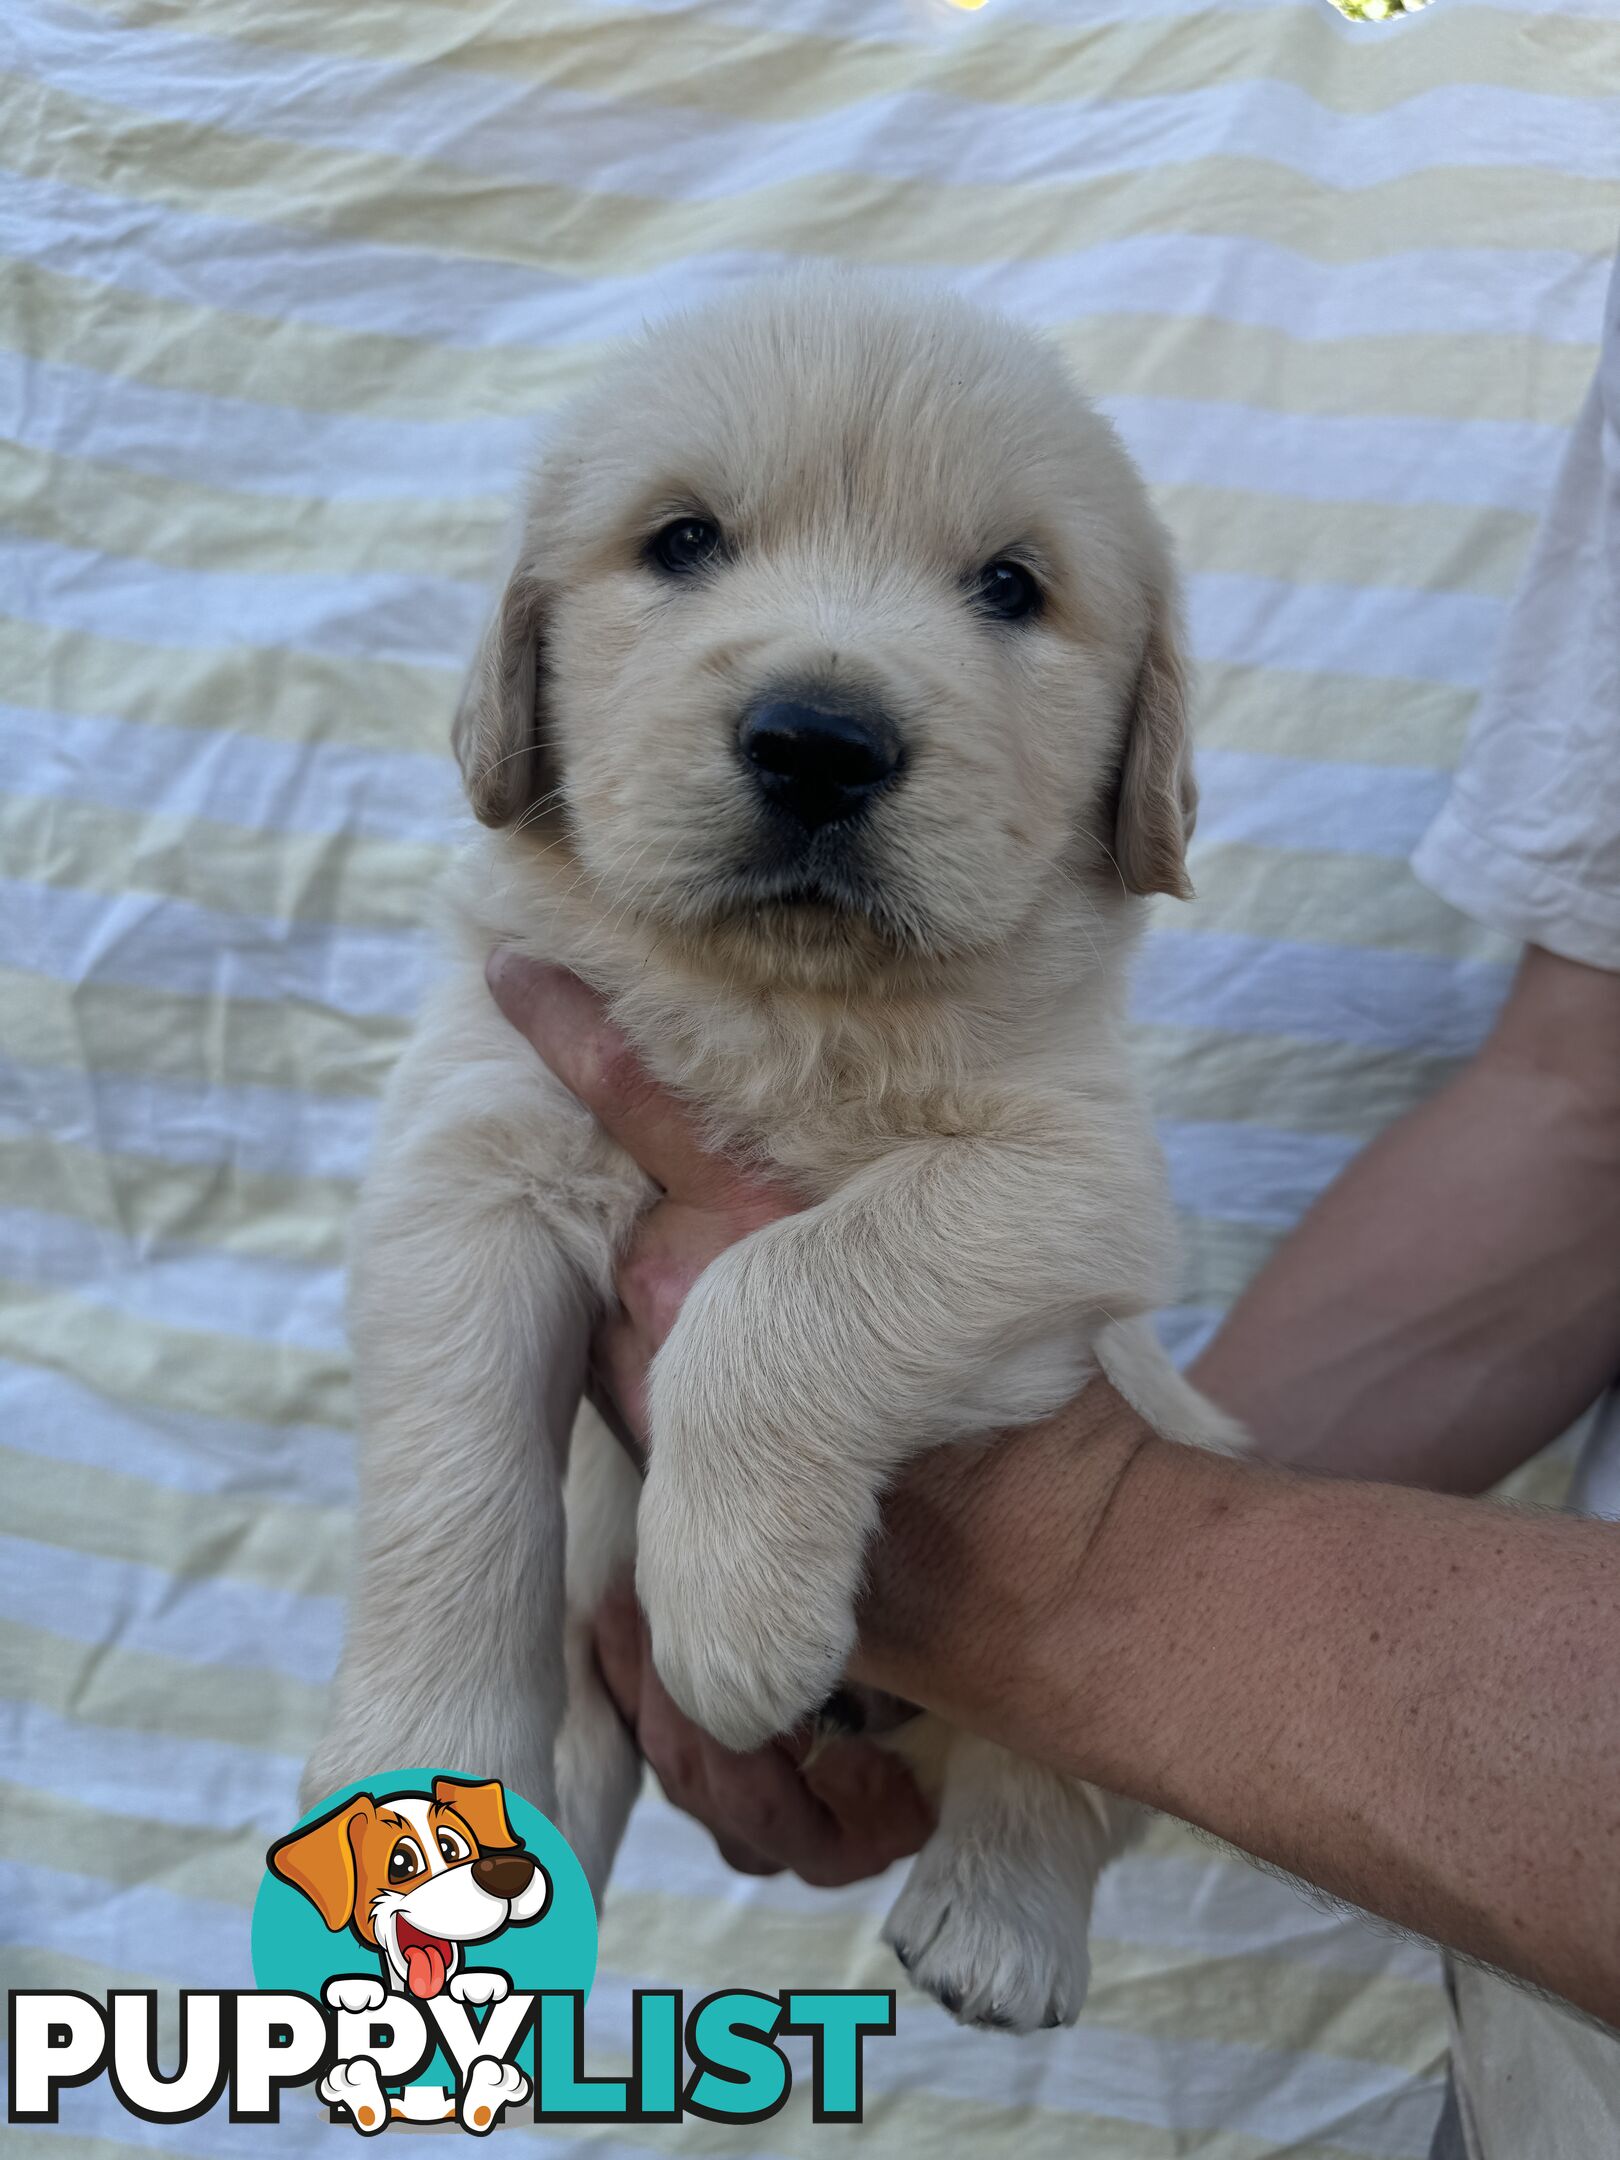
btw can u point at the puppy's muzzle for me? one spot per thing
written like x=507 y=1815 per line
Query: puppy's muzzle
x=503 y=1874
x=818 y=765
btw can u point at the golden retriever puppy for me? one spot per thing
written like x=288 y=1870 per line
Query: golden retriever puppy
x=832 y=724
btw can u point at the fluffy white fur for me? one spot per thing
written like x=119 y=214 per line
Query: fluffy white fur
x=930 y=1044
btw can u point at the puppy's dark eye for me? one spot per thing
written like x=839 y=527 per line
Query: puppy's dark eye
x=1007 y=591
x=452 y=1847
x=405 y=1860
x=688 y=544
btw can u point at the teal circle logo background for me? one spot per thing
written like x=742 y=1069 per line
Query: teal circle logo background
x=294 y=1949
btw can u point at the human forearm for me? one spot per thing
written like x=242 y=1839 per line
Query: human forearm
x=1453 y=1302
x=1405 y=1700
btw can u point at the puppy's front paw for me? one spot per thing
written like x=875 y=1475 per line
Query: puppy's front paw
x=480 y=1984
x=491 y=2087
x=750 y=1631
x=357 y=2087
x=355 y=1992
x=990 y=1943
x=760 y=1496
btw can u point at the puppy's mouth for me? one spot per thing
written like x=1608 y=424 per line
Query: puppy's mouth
x=805 y=908
x=842 y=895
x=427 y=1958
x=812 y=883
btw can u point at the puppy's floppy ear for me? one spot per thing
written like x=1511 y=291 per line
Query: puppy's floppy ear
x=496 y=734
x=319 y=1859
x=481 y=1807
x=1158 y=797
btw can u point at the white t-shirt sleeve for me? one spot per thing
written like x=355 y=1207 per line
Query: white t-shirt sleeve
x=1528 y=841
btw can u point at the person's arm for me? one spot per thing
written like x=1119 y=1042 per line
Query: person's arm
x=1452 y=1303
x=1405 y=1700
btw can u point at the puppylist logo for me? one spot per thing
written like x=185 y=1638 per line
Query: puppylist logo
x=424 y=1944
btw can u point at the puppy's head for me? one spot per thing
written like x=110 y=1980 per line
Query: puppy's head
x=840 y=628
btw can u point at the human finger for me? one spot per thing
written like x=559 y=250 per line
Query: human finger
x=568 y=1025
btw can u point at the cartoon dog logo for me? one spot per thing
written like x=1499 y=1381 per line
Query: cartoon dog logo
x=414 y=1877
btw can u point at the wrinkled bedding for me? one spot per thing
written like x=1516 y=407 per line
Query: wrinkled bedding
x=285 y=293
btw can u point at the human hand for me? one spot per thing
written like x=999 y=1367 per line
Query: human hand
x=854 y=1809
x=832 y=1814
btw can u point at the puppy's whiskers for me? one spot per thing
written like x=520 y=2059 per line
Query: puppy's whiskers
x=539 y=808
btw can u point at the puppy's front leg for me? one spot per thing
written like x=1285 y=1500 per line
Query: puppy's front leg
x=949 y=1289
x=484 y=1241
x=469 y=1333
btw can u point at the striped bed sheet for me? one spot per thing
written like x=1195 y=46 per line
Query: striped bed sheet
x=285 y=291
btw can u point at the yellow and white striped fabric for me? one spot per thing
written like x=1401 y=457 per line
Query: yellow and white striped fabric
x=283 y=287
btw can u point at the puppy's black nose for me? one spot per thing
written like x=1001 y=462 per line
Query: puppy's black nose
x=816 y=763
x=503 y=1874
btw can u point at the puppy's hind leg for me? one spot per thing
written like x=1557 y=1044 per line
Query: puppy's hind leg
x=994 y=1917
x=598 y=1767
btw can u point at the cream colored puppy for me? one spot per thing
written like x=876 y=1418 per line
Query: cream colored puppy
x=832 y=725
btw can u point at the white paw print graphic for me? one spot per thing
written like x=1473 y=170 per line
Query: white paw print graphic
x=491 y=2086
x=356 y=2086
x=355 y=1992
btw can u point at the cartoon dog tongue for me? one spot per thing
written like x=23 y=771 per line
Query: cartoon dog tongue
x=424 y=1967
